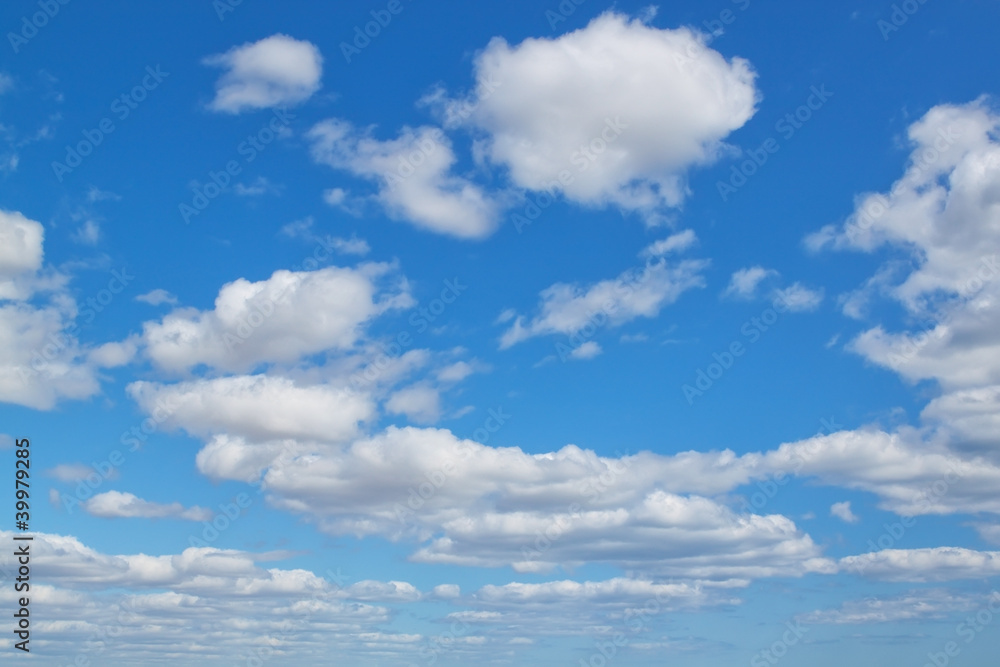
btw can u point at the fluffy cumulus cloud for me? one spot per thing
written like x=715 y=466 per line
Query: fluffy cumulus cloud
x=287 y=316
x=247 y=611
x=930 y=564
x=568 y=309
x=943 y=212
x=911 y=475
x=619 y=109
x=466 y=503
x=259 y=407
x=414 y=177
x=275 y=71
x=41 y=359
x=115 y=504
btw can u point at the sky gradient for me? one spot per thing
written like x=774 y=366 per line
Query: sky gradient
x=415 y=333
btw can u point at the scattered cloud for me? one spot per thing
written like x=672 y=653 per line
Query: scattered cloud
x=273 y=72
x=743 y=283
x=843 y=512
x=413 y=174
x=114 y=504
x=567 y=309
x=157 y=297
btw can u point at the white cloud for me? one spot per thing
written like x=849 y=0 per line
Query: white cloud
x=421 y=403
x=843 y=512
x=20 y=245
x=447 y=591
x=260 y=186
x=931 y=564
x=74 y=472
x=287 y=316
x=414 y=177
x=567 y=309
x=456 y=372
x=41 y=360
x=674 y=243
x=157 y=297
x=383 y=591
x=486 y=507
x=259 y=407
x=617 y=592
x=114 y=504
x=89 y=233
x=95 y=194
x=798 y=298
x=275 y=71
x=649 y=104
x=351 y=246
x=941 y=212
x=912 y=475
x=744 y=282
x=588 y=350
x=917 y=605
x=971 y=416
x=207 y=604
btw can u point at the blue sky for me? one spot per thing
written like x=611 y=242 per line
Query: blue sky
x=528 y=334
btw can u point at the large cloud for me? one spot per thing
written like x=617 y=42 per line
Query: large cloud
x=259 y=407
x=289 y=315
x=470 y=504
x=622 y=107
x=943 y=212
